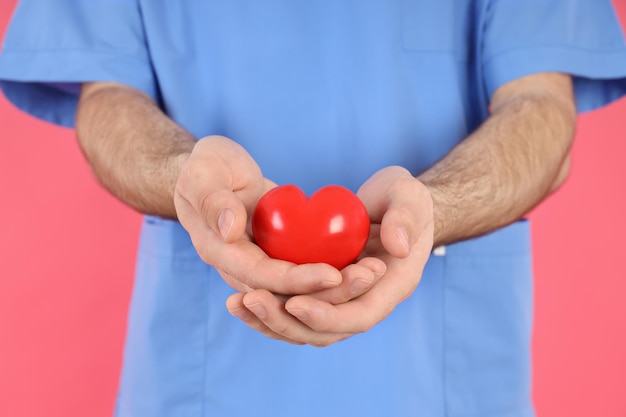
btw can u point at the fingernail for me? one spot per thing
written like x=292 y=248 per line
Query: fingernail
x=328 y=284
x=258 y=310
x=241 y=313
x=359 y=286
x=300 y=314
x=225 y=221
x=403 y=236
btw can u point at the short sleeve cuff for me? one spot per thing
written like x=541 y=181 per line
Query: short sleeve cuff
x=599 y=76
x=46 y=84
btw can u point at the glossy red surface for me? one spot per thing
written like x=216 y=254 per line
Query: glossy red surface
x=67 y=256
x=330 y=227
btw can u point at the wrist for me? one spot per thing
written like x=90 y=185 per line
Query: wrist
x=174 y=166
x=443 y=212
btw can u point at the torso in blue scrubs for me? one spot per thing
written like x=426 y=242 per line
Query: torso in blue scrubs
x=321 y=92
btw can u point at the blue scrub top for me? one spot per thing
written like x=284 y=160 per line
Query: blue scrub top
x=321 y=92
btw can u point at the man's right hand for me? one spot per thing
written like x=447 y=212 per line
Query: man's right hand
x=217 y=189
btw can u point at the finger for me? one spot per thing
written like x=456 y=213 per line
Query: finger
x=246 y=261
x=401 y=204
x=355 y=316
x=221 y=210
x=235 y=306
x=361 y=314
x=245 y=266
x=271 y=311
x=357 y=279
x=397 y=228
x=252 y=268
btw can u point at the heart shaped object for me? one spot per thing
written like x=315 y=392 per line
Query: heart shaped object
x=330 y=227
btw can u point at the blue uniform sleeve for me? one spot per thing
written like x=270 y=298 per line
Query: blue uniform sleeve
x=579 y=37
x=52 y=46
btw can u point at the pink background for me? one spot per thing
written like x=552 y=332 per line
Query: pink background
x=67 y=254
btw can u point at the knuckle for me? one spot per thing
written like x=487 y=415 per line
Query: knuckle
x=207 y=205
x=404 y=214
x=249 y=280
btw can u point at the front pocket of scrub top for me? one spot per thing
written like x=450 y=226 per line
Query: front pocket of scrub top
x=488 y=320
x=428 y=25
x=164 y=357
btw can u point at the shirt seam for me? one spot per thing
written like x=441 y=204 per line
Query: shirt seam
x=596 y=51
x=89 y=51
x=205 y=360
x=444 y=305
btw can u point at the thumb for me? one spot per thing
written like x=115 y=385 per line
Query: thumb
x=396 y=232
x=408 y=219
x=218 y=182
x=392 y=197
x=226 y=214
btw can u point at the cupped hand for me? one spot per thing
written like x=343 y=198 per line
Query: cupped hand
x=216 y=191
x=401 y=239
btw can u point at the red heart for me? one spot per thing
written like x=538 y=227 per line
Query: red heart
x=330 y=227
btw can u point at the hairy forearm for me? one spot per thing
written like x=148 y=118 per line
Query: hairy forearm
x=505 y=168
x=134 y=150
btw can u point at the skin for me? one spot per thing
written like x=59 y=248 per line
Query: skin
x=501 y=171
